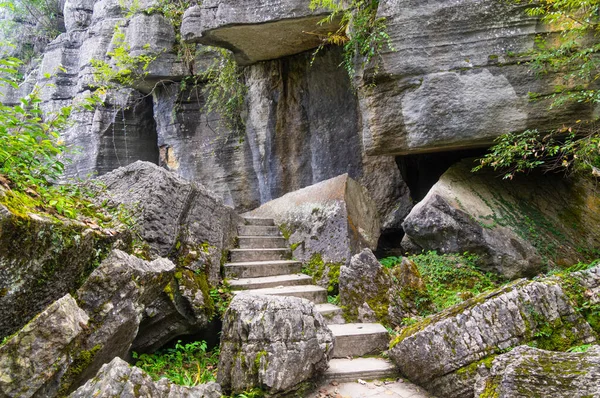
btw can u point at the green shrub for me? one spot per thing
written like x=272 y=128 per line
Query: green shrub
x=185 y=364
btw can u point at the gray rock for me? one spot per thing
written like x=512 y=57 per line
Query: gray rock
x=42 y=260
x=364 y=286
x=464 y=336
x=256 y=30
x=272 y=342
x=516 y=227
x=407 y=287
x=33 y=361
x=455 y=79
x=115 y=296
x=327 y=223
x=194 y=230
x=530 y=372
x=118 y=379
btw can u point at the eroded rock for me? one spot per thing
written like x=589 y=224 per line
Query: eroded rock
x=515 y=227
x=407 y=287
x=462 y=337
x=119 y=379
x=33 y=361
x=273 y=342
x=530 y=372
x=256 y=30
x=364 y=286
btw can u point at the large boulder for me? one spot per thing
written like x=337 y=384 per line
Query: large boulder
x=256 y=30
x=456 y=78
x=33 y=361
x=516 y=227
x=542 y=313
x=119 y=379
x=326 y=223
x=43 y=258
x=531 y=372
x=275 y=343
x=115 y=296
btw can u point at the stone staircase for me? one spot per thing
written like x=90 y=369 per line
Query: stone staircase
x=262 y=264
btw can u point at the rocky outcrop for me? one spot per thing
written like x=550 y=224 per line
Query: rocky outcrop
x=115 y=297
x=193 y=229
x=530 y=372
x=364 y=286
x=407 y=287
x=119 y=379
x=43 y=259
x=326 y=223
x=33 y=361
x=456 y=78
x=516 y=227
x=283 y=27
x=272 y=342
x=469 y=334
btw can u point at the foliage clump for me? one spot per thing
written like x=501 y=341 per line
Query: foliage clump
x=185 y=364
x=573 y=53
x=449 y=279
x=361 y=33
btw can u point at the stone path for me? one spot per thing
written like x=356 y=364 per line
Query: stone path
x=371 y=389
x=262 y=264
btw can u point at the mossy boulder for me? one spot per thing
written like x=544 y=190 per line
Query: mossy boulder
x=531 y=372
x=42 y=258
x=539 y=313
x=33 y=361
x=516 y=227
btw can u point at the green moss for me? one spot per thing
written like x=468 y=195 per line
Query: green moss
x=80 y=363
x=323 y=272
x=258 y=361
x=491 y=389
x=286 y=231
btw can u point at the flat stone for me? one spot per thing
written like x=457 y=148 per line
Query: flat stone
x=258 y=230
x=245 y=255
x=270 y=281
x=259 y=221
x=262 y=242
x=253 y=269
x=358 y=339
x=316 y=294
x=343 y=369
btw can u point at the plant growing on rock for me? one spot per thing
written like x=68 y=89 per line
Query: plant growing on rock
x=574 y=54
x=361 y=33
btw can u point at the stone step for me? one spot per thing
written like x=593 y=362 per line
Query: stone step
x=257 y=230
x=359 y=339
x=270 y=281
x=316 y=294
x=344 y=370
x=262 y=242
x=332 y=313
x=245 y=255
x=259 y=221
x=256 y=269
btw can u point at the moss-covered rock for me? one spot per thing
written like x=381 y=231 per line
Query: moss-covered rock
x=538 y=313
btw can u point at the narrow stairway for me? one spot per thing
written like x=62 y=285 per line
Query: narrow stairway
x=262 y=263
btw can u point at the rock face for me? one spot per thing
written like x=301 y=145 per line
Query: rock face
x=327 y=222
x=33 y=361
x=530 y=372
x=115 y=296
x=469 y=334
x=364 y=286
x=41 y=260
x=272 y=342
x=516 y=226
x=302 y=127
x=455 y=79
x=288 y=26
x=118 y=379
x=407 y=285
